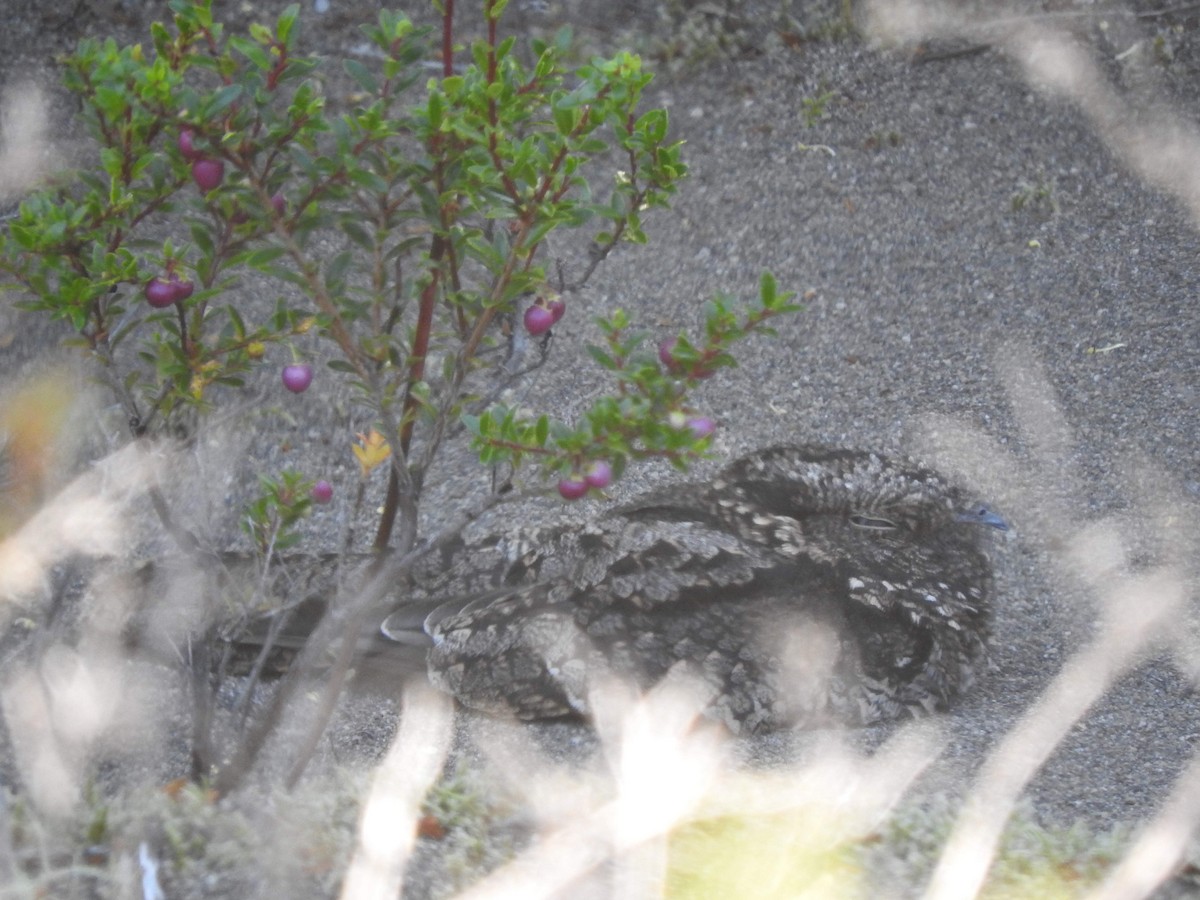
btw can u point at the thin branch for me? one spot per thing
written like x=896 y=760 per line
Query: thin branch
x=344 y=620
x=448 y=39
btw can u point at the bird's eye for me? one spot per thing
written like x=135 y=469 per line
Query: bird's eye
x=873 y=523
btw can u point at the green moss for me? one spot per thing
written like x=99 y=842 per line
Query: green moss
x=475 y=827
x=767 y=857
x=1034 y=860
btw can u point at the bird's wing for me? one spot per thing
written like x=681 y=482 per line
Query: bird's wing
x=618 y=595
x=616 y=560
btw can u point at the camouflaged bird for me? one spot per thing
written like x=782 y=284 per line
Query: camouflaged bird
x=804 y=587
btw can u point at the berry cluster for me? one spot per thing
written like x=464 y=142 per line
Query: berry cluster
x=544 y=313
x=208 y=173
x=163 y=292
x=597 y=475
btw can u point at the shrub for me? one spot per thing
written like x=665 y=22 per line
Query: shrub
x=438 y=195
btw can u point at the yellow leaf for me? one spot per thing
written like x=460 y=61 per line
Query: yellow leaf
x=33 y=437
x=370 y=451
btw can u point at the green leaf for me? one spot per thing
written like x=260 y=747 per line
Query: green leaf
x=261 y=258
x=286 y=21
x=602 y=358
x=202 y=238
x=260 y=33
x=362 y=76
x=566 y=118
x=767 y=289
x=223 y=99
x=367 y=179
x=335 y=272
x=239 y=326
x=652 y=126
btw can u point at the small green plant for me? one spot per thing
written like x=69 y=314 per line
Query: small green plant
x=408 y=234
x=827 y=21
x=1166 y=44
x=814 y=109
x=468 y=826
x=1037 y=197
x=773 y=856
x=271 y=517
x=700 y=32
x=881 y=138
x=1034 y=860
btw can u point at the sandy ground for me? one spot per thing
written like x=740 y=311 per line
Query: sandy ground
x=1002 y=259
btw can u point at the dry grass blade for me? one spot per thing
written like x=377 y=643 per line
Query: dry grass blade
x=25 y=151
x=663 y=763
x=1139 y=611
x=388 y=826
x=1157 y=851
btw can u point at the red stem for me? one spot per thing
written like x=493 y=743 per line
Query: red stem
x=448 y=39
x=416 y=374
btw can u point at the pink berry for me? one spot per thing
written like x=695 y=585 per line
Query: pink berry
x=666 y=351
x=279 y=204
x=573 y=488
x=322 y=492
x=297 y=377
x=182 y=287
x=557 y=308
x=538 y=319
x=187 y=145
x=598 y=474
x=701 y=426
x=208 y=173
x=159 y=293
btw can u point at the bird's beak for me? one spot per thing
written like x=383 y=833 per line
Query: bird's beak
x=983 y=516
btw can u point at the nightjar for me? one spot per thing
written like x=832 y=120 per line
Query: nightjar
x=804 y=586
